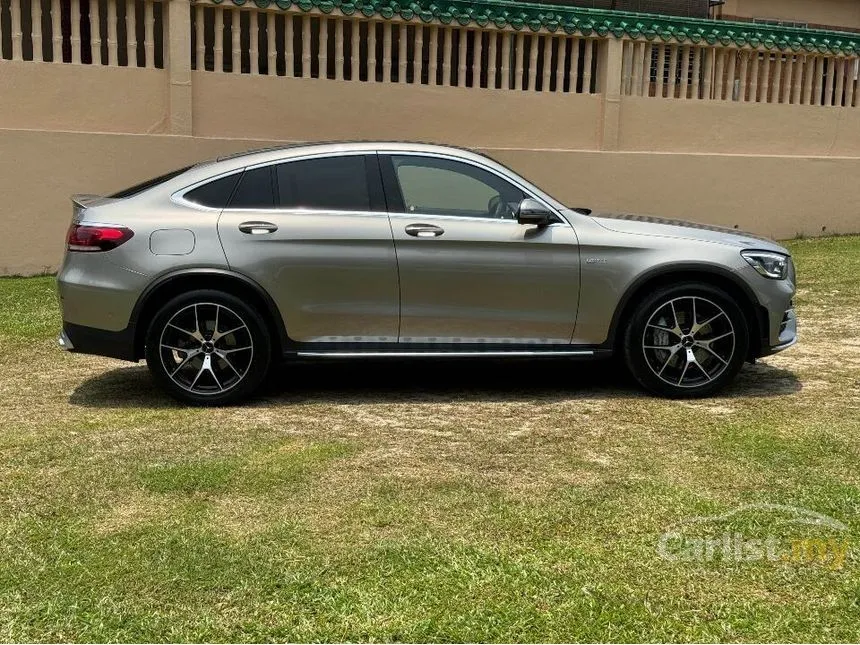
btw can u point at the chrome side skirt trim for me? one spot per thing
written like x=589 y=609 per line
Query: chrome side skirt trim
x=436 y=354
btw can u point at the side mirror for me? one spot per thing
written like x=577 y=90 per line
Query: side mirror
x=532 y=212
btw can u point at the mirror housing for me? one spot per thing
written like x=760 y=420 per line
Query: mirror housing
x=532 y=212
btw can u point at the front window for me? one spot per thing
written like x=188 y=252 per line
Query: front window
x=433 y=186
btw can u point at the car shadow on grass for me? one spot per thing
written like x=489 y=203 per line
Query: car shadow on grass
x=395 y=381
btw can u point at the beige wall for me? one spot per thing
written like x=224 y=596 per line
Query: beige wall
x=273 y=107
x=647 y=124
x=778 y=196
x=82 y=97
x=842 y=13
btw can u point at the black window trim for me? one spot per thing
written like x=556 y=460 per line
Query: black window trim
x=376 y=191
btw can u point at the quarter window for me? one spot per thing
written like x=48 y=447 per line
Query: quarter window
x=216 y=193
x=434 y=186
x=332 y=183
x=255 y=189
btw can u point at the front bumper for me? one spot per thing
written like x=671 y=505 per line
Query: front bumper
x=101 y=342
x=787 y=333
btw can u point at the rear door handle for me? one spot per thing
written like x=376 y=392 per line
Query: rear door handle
x=257 y=228
x=424 y=230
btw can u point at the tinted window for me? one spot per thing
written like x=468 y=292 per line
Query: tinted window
x=444 y=187
x=255 y=189
x=151 y=183
x=334 y=183
x=216 y=193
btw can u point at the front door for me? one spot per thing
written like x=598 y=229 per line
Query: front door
x=469 y=272
x=315 y=234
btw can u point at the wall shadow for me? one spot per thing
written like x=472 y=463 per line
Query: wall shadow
x=395 y=381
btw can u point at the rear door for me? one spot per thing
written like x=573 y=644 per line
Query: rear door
x=314 y=232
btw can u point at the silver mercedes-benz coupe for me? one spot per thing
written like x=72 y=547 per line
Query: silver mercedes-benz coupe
x=398 y=250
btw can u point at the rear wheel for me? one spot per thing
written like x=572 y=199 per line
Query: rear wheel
x=684 y=341
x=208 y=348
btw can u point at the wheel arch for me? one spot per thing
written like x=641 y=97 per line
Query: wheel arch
x=173 y=284
x=754 y=313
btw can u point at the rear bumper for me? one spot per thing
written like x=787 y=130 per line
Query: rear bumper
x=89 y=340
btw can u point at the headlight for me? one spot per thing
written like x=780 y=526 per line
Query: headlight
x=770 y=265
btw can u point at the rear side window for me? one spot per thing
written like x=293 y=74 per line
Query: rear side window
x=332 y=183
x=216 y=193
x=255 y=189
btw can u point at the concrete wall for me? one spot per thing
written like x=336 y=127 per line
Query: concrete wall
x=829 y=13
x=778 y=196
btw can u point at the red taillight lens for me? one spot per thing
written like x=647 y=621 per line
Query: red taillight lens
x=97 y=238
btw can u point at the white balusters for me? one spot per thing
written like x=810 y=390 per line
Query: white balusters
x=386 y=52
x=271 y=45
x=36 y=34
x=113 y=39
x=371 y=52
x=418 y=58
x=75 y=40
x=235 y=36
x=506 y=60
x=322 y=57
x=518 y=63
x=697 y=68
x=130 y=33
x=673 y=70
x=661 y=66
x=586 y=69
x=56 y=33
x=561 y=64
x=306 y=46
x=218 y=45
x=254 y=42
x=477 y=57
x=447 y=46
x=574 y=64
x=354 y=52
x=402 y=52
x=531 y=78
x=338 y=49
x=289 y=46
x=200 y=37
x=462 y=41
x=17 y=32
x=433 y=57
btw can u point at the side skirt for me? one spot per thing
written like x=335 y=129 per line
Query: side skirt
x=309 y=351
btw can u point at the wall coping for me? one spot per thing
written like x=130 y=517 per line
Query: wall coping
x=584 y=21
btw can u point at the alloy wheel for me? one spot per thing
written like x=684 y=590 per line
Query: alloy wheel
x=206 y=348
x=688 y=341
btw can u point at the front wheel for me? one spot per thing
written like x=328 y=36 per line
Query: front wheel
x=684 y=341
x=208 y=347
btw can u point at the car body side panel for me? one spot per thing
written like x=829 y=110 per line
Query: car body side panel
x=100 y=290
x=487 y=281
x=333 y=275
x=614 y=262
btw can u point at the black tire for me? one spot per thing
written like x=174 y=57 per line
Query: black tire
x=650 y=327
x=237 y=362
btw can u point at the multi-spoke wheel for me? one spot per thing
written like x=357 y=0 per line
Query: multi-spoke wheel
x=208 y=347
x=686 y=340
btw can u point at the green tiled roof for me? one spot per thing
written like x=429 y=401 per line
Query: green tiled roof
x=579 y=20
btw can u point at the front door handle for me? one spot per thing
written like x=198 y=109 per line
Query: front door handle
x=257 y=228
x=424 y=230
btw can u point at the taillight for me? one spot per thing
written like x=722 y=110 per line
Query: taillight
x=97 y=238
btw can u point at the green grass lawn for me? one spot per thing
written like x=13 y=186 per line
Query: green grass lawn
x=430 y=502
